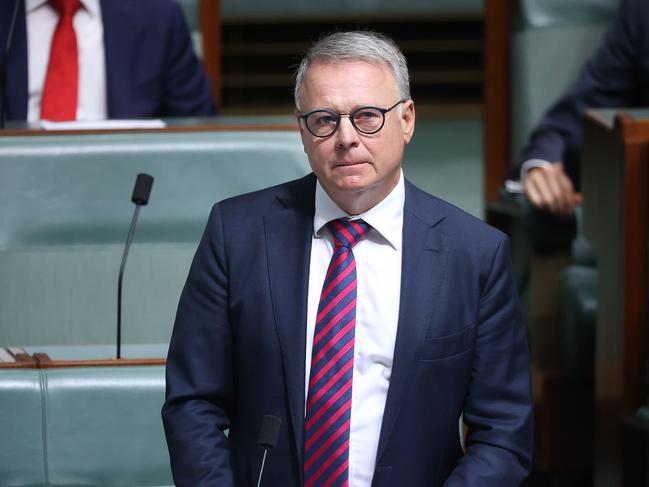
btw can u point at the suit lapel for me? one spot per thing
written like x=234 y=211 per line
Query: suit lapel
x=120 y=42
x=17 y=74
x=288 y=242
x=425 y=252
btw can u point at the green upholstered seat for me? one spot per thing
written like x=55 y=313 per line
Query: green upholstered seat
x=103 y=426
x=191 y=12
x=577 y=314
x=100 y=352
x=642 y=415
x=66 y=212
x=21 y=426
x=547 y=13
x=83 y=427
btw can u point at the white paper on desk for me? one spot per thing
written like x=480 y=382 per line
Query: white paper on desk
x=103 y=124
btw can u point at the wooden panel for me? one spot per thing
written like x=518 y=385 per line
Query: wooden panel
x=20 y=359
x=44 y=362
x=210 y=22
x=615 y=188
x=259 y=55
x=496 y=115
x=636 y=137
x=202 y=127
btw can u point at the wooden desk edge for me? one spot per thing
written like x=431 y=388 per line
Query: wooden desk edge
x=179 y=128
x=42 y=361
x=45 y=362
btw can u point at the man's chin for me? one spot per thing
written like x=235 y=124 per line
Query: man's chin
x=352 y=184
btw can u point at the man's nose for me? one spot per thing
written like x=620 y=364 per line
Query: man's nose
x=347 y=136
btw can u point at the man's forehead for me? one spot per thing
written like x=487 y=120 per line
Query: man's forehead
x=325 y=78
x=349 y=64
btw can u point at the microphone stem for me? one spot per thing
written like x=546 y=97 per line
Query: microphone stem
x=261 y=471
x=120 y=278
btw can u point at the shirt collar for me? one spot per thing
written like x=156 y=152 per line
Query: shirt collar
x=386 y=217
x=92 y=6
x=31 y=5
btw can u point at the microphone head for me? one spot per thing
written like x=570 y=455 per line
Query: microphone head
x=269 y=431
x=142 y=189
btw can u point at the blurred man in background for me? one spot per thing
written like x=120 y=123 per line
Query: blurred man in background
x=616 y=76
x=98 y=59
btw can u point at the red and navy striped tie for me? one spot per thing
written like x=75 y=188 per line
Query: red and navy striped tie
x=329 y=402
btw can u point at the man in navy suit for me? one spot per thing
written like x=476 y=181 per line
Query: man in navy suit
x=373 y=319
x=143 y=66
x=616 y=76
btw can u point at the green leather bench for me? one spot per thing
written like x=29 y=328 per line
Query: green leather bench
x=66 y=211
x=83 y=426
x=21 y=422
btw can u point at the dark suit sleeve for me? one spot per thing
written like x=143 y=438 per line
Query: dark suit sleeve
x=498 y=408
x=613 y=77
x=200 y=385
x=187 y=91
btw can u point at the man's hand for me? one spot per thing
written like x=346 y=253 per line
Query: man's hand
x=549 y=188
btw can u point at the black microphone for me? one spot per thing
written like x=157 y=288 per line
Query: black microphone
x=5 y=64
x=140 y=197
x=268 y=438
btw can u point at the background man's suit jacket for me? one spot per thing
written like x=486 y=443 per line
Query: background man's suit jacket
x=616 y=76
x=151 y=67
x=238 y=349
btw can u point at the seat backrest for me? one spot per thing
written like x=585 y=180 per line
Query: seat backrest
x=191 y=11
x=21 y=423
x=83 y=426
x=103 y=426
x=66 y=212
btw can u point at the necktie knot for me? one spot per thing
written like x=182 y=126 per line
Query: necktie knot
x=66 y=8
x=347 y=233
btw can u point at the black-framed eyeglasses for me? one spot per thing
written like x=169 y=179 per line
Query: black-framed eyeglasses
x=366 y=120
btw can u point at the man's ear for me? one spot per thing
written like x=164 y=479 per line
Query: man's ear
x=408 y=120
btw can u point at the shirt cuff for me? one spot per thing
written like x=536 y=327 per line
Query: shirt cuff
x=517 y=186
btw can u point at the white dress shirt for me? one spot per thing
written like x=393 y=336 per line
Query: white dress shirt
x=378 y=270
x=42 y=19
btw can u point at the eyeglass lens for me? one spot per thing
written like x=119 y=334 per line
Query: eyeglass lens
x=323 y=123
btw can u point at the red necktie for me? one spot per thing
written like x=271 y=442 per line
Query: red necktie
x=62 y=79
x=329 y=401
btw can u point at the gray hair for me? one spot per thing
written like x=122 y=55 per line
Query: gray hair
x=367 y=46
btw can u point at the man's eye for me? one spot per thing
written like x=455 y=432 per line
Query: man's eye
x=324 y=119
x=366 y=115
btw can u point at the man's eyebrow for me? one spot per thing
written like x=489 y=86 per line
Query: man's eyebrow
x=356 y=107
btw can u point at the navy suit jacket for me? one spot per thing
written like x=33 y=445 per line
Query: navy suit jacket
x=151 y=68
x=238 y=349
x=616 y=76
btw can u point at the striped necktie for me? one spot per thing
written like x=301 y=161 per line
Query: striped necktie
x=329 y=401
